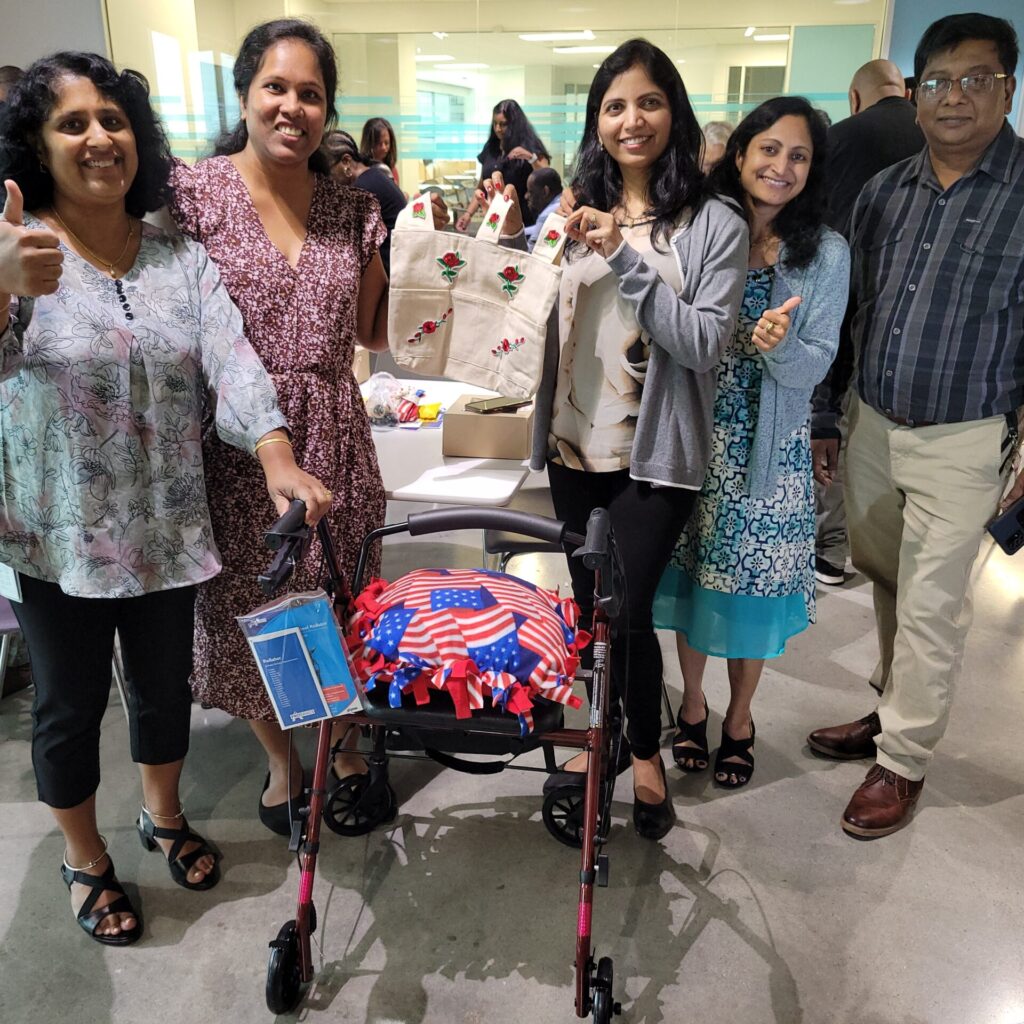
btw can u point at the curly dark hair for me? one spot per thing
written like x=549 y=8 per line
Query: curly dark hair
x=247 y=65
x=676 y=183
x=799 y=223
x=32 y=100
x=518 y=133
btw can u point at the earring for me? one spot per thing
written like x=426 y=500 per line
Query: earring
x=43 y=167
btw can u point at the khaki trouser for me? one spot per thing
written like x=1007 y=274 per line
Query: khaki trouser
x=917 y=502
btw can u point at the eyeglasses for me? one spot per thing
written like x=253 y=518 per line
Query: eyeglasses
x=934 y=89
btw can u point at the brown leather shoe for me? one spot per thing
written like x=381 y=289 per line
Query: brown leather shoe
x=848 y=742
x=882 y=805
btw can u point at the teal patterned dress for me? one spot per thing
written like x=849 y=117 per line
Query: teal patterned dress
x=741 y=579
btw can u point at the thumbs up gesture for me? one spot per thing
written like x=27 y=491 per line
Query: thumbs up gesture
x=773 y=324
x=30 y=258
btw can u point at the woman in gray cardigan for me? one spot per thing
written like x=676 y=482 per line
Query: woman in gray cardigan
x=647 y=302
x=741 y=580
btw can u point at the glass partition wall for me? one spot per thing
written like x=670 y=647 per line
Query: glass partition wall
x=436 y=68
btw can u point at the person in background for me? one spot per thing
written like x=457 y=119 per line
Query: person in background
x=741 y=581
x=379 y=145
x=938 y=337
x=513 y=149
x=350 y=167
x=115 y=341
x=9 y=78
x=716 y=135
x=298 y=253
x=543 y=194
x=880 y=131
x=649 y=293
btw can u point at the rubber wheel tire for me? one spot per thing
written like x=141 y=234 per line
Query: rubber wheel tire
x=604 y=1002
x=284 y=971
x=353 y=810
x=563 y=815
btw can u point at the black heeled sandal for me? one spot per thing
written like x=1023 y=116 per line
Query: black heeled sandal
x=179 y=864
x=743 y=769
x=654 y=821
x=88 y=918
x=695 y=733
x=277 y=817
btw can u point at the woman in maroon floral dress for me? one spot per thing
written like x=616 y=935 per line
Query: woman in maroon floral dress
x=298 y=254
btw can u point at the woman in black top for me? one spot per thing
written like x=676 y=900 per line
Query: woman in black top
x=514 y=149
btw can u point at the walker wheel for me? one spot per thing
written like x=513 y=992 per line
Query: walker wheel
x=356 y=807
x=563 y=815
x=284 y=972
x=604 y=1003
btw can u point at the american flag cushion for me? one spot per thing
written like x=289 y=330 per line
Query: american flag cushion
x=476 y=635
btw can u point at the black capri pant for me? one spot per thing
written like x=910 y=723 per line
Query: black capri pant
x=70 y=644
x=647 y=522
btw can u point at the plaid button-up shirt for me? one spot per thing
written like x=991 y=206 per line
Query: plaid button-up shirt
x=938 y=290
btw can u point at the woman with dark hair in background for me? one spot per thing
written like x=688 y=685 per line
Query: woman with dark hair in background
x=648 y=299
x=115 y=340
x=298 y=253
x=350 y=167
x=741 y=581
x=379 y=145
x=513 y=149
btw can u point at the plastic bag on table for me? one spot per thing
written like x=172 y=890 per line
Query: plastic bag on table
x=384 y=396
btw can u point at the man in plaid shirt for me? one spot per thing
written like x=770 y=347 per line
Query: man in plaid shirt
x=937 y=294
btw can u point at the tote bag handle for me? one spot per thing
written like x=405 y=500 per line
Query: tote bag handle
x=416 y=216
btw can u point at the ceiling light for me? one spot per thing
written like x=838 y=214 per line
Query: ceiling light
x=750 y=31
x=427 y=58
x=463 y=67
x=780 y=37
x=595 y=65
x=681 y=60
x=439 y=35
x=555 y=37
x=583 y=49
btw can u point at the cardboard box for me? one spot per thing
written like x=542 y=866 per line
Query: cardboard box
x=361 y=365
x=491 y=435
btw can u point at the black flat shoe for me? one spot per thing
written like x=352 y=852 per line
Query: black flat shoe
x=180 y=864
x=654 y=821
x=690 y=743
x=276 y=817
x=743 y=769
x=88 y=918
x=564 y=777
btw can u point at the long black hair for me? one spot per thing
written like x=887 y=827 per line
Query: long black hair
x=247 y=65
x=676 y=183
x=371 y=130
x=799 y=223
x=31 y=102
x=518 y=133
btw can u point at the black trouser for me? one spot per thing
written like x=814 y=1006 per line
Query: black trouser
x=646 y=522
x=70 y=644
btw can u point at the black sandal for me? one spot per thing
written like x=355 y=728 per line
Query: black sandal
x=743 y=749
x=696 y=733
x=90 y=919
x=179 y=864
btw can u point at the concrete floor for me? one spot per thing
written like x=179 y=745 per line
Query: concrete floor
x=756 y=909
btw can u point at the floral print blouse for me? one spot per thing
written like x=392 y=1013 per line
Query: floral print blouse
x=103 y=390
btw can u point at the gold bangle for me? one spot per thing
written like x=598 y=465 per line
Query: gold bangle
x=271 y=440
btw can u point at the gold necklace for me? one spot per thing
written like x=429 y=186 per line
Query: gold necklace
x=111 y=267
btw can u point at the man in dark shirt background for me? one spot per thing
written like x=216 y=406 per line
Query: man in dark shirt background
x=881 y=131
x=937 y=299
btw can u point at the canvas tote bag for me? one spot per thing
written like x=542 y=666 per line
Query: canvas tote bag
x=470 y=309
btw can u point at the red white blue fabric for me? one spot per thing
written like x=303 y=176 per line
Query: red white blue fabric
x=474 y=634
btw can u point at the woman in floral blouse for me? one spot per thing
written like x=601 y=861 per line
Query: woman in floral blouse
x=116 y=339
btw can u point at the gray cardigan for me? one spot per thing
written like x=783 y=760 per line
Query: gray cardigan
x=795 y=366
x=688 y=333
